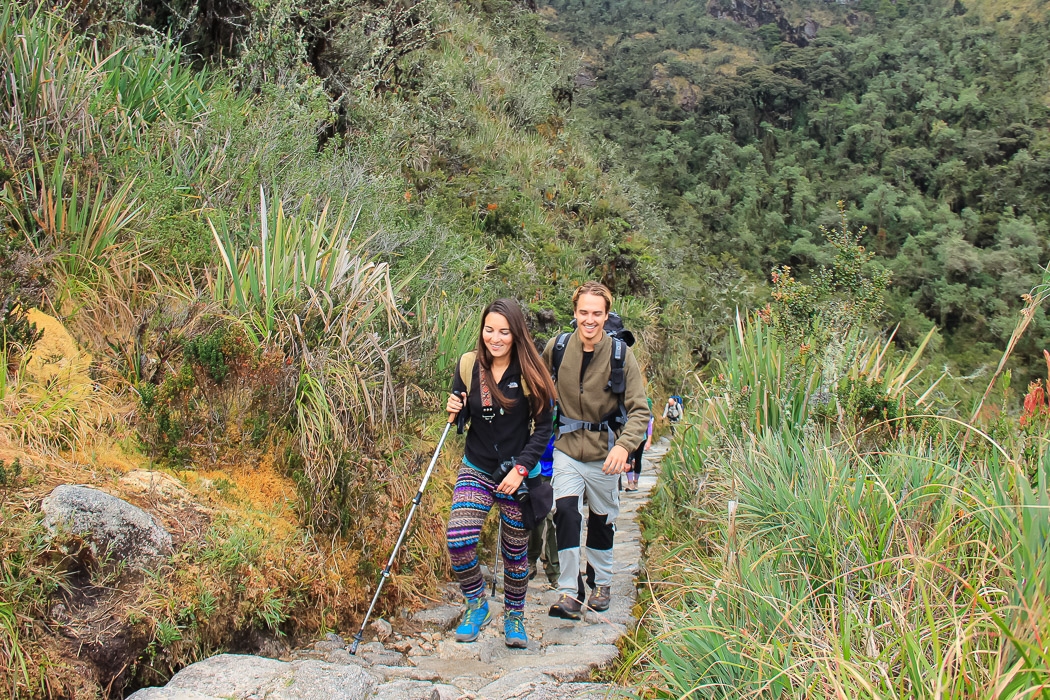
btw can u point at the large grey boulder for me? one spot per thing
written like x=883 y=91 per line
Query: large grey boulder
x=241 y=677
x=110 y=526
x=170 y=694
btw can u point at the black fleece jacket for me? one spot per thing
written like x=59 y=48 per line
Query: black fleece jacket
x=511 y=434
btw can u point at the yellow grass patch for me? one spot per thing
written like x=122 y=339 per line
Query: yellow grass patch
x=56 y=353
x=1018 y=10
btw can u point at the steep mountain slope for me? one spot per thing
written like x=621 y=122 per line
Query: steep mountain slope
x=929 y=120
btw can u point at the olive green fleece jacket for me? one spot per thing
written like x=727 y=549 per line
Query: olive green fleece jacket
x=590 y=401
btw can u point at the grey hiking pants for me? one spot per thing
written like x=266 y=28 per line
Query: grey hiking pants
x=572 y=480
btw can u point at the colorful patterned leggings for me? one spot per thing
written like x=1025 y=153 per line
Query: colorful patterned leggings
x=472 y=499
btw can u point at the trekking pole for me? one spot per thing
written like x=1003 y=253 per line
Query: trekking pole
x=495 y=563
x=401 y=538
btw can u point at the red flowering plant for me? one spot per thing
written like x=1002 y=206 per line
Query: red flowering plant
x=1036 y=402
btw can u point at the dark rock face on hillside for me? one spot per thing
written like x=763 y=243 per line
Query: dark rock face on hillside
x=758 y=13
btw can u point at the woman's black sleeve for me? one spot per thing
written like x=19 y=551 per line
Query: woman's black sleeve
x=458 y=388
x=537 y=443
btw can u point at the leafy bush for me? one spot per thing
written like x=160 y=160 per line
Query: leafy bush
x=212 y=407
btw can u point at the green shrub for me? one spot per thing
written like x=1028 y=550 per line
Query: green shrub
x=10 y=474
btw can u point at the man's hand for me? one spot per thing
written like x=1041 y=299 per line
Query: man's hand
x=616 y=462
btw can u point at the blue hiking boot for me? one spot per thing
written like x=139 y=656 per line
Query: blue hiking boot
x=514 y=630
x=475 y=617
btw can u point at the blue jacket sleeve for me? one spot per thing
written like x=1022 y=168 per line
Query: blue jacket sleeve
x=543 y=427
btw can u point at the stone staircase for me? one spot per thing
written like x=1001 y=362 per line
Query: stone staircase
x=421 y=660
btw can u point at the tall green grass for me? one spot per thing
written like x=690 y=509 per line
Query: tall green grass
x=816 y=549
x=11 y=657
x=301 y=262
x=824 y=572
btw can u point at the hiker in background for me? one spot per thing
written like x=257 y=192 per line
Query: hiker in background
x=635 y=459
x=543 y=542
x=509 y=398
x=601 y=420
x=673 y=412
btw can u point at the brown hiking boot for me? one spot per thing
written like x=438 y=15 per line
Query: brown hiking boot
x=567 y=608
x=599 y=599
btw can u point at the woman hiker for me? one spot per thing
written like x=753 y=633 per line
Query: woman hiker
x=509 y=399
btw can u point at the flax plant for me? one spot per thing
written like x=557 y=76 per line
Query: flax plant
x=151 y=82
x=299 y=261
x=47 y=79
x=763 y=383
x=309 y=285
x=452 y=327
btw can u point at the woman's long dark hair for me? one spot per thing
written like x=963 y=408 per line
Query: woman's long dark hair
x=533 y=370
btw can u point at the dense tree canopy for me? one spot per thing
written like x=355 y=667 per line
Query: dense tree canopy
x=928 y=120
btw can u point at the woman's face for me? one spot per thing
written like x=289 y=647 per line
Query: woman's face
x=495 y=333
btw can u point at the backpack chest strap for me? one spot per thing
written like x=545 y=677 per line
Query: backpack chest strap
x=612 y=422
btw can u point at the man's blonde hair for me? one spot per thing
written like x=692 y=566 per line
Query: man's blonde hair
x=595 y=289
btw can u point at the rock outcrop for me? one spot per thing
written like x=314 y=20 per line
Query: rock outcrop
x=242 y=677
x=111 y=527
x=757 y=13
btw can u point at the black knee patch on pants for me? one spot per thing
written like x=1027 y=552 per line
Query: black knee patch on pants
x=599 y=532
x=567 y=522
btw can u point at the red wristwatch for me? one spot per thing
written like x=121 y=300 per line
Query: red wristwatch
x=521 y=470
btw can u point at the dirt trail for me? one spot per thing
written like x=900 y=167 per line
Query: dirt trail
x=420 y=659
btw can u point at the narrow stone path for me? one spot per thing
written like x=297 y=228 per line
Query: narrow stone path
x=419 y=659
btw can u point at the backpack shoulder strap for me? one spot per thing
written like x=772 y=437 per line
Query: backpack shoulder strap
x=558 y=354
x=617 y=381
x=466 y=371
x=466 y=368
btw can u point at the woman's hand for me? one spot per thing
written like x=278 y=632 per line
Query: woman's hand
x=454 y=406
x=649 y=442
x=510 y=483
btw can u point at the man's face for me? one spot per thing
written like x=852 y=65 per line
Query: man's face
x=590 y=317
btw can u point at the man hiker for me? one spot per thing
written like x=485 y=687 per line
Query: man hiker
x=673 y=412
x=602 y=416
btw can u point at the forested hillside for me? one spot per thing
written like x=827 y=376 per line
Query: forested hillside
x=928 y=119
